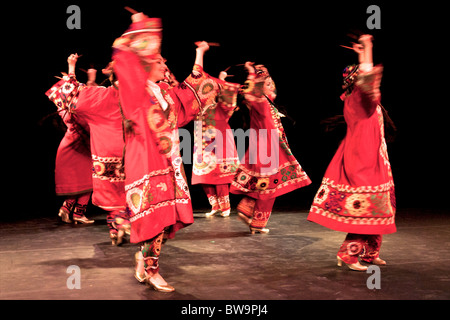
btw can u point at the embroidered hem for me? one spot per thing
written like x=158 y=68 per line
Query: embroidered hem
x=362 y=210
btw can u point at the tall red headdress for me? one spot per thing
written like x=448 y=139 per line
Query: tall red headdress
x=143 y=37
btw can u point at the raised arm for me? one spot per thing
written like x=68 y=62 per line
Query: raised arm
x=364 y=50
x=202 y=47
x=72 y=61
x=64 y=94
x=369 y=78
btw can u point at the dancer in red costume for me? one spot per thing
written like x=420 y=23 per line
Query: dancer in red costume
x=269 y=169
x=156 y=189
x=215 y=156
x=98 y=108
x=73 y=178
x=357 y=192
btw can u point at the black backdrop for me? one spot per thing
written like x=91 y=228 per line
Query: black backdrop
x=298 y=42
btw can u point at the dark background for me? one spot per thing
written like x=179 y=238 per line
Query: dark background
x=298 y=42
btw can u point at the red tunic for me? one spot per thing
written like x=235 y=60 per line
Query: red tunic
x=98 y=107
x=156 y=188
x=215 y=156
x=357 y=191
x=268 y=169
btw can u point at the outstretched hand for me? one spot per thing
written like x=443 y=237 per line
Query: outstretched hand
x=365 y=53
x=222 y=75
x=203 y=46
x=138 y=16
x=365 y=40
x=358 y=48
x=72 y=59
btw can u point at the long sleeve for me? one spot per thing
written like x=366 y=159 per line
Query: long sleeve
x=132 y=81
x=367 y=90
x=228 y=97
x=193 y=94
x=64 y=94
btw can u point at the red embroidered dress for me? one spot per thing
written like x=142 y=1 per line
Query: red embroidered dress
x=357 y=192
x=97 y=107
x=268 y=169
x=215 y=156
x=156 y=189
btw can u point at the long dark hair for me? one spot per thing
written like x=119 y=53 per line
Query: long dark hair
x=332 y=123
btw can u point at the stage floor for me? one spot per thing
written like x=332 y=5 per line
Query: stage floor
x=218 y=259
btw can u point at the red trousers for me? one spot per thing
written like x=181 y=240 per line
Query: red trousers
x=365 y=246
x=151 y=249
x=218 y=196
x=257 y=210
